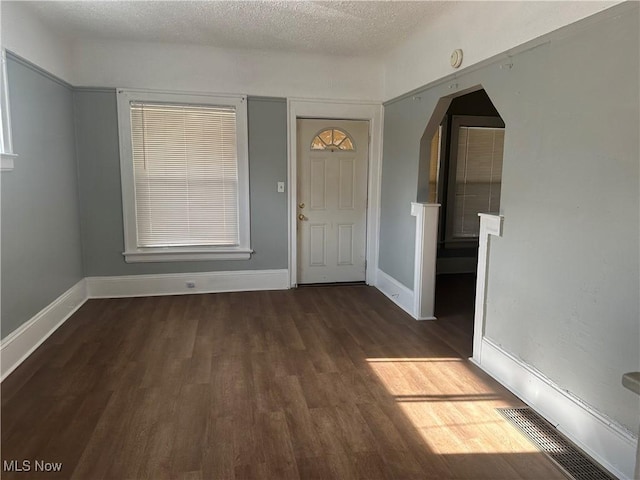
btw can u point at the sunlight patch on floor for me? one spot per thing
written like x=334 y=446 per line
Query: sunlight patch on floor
x=459 y=420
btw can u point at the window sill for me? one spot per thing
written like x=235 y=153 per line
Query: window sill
x=183 y=255
x=7 y=161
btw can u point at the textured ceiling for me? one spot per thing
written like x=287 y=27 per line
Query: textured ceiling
x=335 y=28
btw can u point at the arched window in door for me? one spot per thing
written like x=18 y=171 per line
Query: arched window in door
x=333 y=139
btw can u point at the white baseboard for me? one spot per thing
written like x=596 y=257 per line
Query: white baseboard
x=396 y=291
x=176 y=283
x=611 y=445
x=20 y=343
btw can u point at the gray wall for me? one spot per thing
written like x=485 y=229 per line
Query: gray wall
x=101 y=199
x=41 y=256
x=404 y=123
x=564 y=279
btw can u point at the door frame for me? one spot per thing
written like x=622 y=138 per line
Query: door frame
x=299 y=108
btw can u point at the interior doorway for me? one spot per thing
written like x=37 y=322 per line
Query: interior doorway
x=333 y=157
x=465 y=177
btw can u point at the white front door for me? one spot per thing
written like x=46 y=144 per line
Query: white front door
x=333 y=157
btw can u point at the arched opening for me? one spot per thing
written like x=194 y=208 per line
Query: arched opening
x=461 y=156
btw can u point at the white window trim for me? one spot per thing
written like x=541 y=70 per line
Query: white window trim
x=6 y=146
x=132 y=252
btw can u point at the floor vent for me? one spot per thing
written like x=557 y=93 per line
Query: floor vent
x=545 y=436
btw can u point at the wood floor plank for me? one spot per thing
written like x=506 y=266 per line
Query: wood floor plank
x=156 y=450
x=231 y=385
x=304 y=440
x=314 y=468
x=370 y=466
x=194 y=403
x=333 y=442
x=248 y=447
x=27 y=443
x=317 y=382
x=105 y=446
x=252 y=471
x=279 y=455
x=68 y=446
x=198 y=370
x=218 y=457
x=354 y=429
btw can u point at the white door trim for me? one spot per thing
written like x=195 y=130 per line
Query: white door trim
x=343 y=110
x=489 y=225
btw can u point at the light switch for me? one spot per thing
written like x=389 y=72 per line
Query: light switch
x=280 y=187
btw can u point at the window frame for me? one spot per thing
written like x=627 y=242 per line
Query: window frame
x=7 y=156
x=133 y=253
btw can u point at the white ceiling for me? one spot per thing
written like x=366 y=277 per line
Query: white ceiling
x=333 y=28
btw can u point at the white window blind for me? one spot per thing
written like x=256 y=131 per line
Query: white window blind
x=478 y=177
x=185 y=163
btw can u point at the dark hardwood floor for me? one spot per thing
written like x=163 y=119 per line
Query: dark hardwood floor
x=332 y=382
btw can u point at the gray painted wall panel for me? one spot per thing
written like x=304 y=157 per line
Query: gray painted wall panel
x=40 y=215
x=101 y=200
x=404 y=123
x=564 y=279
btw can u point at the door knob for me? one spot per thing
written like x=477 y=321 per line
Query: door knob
x=301 y=217
x=301 y=205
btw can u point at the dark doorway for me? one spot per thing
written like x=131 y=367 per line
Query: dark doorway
x=465 y=177
x=454 y=307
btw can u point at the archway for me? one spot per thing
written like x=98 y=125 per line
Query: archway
x=461 y=153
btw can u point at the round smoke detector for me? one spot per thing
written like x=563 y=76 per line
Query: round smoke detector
x=456 y=58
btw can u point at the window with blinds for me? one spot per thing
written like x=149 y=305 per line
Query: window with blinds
x=478 y=177
x=186 y=175
x=185 y=181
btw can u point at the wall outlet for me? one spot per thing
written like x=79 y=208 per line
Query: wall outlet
x=191 y=284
